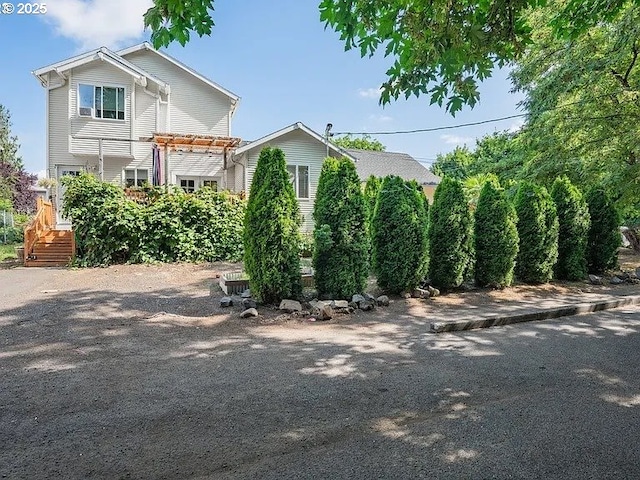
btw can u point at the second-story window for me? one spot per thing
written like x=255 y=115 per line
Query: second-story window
x=99 y=101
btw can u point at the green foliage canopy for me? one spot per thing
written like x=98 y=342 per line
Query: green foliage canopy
x=365 y=142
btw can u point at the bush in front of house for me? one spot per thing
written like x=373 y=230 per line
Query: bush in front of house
x=371 y=190
x=341 y=253
x=173 y=226
x=450 y=235
x=400 y=250
x=271 y=231
x=495 y=237
x=538 y=232
x=604 y=233
x=574 y=222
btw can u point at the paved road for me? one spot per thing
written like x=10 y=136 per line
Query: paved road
x=114 y=395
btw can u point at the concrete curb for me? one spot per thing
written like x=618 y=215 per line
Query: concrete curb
x=564 y=311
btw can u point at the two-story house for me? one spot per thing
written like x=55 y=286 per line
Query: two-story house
x=105 y=110
x=138 y=115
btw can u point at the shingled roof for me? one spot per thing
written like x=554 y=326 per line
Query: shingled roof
x=381 y=164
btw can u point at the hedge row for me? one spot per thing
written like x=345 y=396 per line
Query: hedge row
x=174 y=226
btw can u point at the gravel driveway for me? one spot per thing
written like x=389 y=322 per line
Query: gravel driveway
x=135 y=372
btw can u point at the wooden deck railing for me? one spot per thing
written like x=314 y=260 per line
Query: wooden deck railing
x=42 y=222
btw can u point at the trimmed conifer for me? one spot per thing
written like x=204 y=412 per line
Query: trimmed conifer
x=573 y=219
x=341 y=243
x=399 y=236
x=604 y=234
x=450 y=235
x=272 y=231
x=495 y=237
x=538 y=232
x=371 y=190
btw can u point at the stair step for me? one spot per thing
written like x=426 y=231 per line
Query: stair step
x=45 y=263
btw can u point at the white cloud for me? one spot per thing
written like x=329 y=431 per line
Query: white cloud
x=455 y=139
x=369 y=93
x=41 y=173
x=97 y=23
x=380 y=118
x=516 y=126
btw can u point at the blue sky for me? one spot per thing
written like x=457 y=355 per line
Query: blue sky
x=275 y=55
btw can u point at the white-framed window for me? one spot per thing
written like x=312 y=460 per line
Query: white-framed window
x=101 y=101
x=188 y=184
x=135 y=177
x=299 y=176
x=211 y=184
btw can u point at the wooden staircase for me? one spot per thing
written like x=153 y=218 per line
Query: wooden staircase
x=45 y=246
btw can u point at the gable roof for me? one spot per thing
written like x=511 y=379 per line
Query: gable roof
x=296 y=126
x=148 y=47
x=105 y=55
x=381 y=164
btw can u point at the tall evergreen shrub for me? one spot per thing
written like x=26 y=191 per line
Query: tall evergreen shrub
x=271 y=231
x=604 y=234
x=573 y=218
x=341 y=252
x=450 y=235
x=495 y=237
x=399 y=236
x=371 y=190
x=538 y=232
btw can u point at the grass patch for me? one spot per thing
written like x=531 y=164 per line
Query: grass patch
x=8 y=251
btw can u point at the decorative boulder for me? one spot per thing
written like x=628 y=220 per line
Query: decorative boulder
x=382 y=301
x=323 y=312
x=250 y=312
x=340 y=304
x=249 y=303
x=595 y=280
x=357 y=298
x=420 y=293
x=366 y=306
x=226 y=302
x=290 y=306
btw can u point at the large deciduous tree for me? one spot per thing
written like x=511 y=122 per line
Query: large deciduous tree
x=365 y=142
x=438 y=47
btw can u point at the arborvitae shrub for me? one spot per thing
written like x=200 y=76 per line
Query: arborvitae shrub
x=495 y=236
x=371 y=190
x=604 y=234
x=399 y=236
x=573 y=218
x=450 y=235
x=272 y=231
x=341 y=252
x=538 y=232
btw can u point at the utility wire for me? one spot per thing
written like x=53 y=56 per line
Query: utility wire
x=481 y=122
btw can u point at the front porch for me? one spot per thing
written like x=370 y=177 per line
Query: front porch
x=44 y=244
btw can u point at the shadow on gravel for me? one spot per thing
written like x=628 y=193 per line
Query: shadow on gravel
x=164 y=385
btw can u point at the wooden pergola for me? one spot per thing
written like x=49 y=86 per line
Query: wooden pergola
x=191 y=143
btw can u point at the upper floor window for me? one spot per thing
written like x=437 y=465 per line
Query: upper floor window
x=101 y=101
x=299 y=176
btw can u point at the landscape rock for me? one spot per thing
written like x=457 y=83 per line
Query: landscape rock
x=366 y=306
x=250 y=312
x=595 y=280
x=353 y=305
x=357 y=298
x=433 y=292
x=323 y=312
x=382 y=301
x=226 y=302
x=249 y=303
x=246 y=293
x=638 y=272
x=405 y=295
x=290 y=306
x=420 y=293
x=340 y=304
x=615 y=280
x=369 y=297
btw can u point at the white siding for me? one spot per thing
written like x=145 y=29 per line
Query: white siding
x=195 y=165
x=195 y=107
x=299 y=149
x=98 y=73
x=58 y=154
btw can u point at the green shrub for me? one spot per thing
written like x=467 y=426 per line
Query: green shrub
x=271 y=231
x=604 y=234
x=538 y=232
x=495 y=237
x=174 y=226
x=341 y=254
x=399 y=236
x=371 y=190
x=573 y=219
x=450 y=235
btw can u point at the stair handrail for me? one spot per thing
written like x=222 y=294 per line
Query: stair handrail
x=42 y=222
